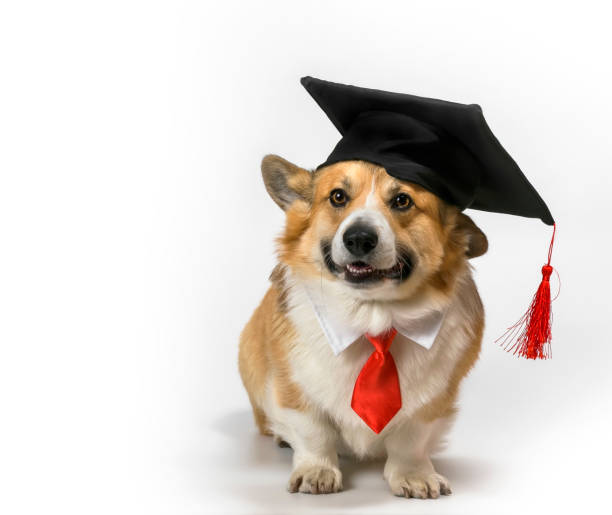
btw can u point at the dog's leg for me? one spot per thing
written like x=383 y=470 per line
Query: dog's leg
x=315 y=459
x=408 y=469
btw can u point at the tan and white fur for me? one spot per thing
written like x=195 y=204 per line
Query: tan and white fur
x=299 y=390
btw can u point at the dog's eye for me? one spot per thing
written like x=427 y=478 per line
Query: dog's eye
x=402 y=202
x=338 y=198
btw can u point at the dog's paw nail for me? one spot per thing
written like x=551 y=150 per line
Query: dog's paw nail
x=280 y=442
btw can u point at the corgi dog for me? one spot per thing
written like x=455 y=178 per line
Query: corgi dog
x=362 y=252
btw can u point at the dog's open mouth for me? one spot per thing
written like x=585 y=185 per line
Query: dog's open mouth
x=360 y=272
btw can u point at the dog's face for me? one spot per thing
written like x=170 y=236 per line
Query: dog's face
x=381 y=237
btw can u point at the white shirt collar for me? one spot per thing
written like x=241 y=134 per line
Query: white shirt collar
x=341 y=331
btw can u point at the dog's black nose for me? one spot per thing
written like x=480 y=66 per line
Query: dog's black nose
x=360 y=239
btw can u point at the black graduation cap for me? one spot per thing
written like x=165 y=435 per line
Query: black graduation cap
x=448 y=149
x=445 y=147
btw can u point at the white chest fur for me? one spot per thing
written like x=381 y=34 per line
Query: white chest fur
x=327 y=380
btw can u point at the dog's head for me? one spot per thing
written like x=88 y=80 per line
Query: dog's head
x=353 y=223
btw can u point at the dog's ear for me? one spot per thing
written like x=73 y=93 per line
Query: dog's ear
x=285 y=181
x=477 y=241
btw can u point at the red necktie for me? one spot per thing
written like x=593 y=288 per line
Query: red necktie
x=376 y=396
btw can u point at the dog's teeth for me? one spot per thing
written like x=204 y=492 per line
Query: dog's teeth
x=359 y=270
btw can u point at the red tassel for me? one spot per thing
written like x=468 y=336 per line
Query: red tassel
x=530 y=337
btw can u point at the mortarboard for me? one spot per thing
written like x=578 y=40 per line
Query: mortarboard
x=448 y=149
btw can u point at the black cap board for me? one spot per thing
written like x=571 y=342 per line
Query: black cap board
x=445 y=147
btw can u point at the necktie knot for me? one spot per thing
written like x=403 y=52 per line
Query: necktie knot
x=382 y=341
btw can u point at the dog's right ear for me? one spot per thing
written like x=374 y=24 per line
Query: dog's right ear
x=285 y=181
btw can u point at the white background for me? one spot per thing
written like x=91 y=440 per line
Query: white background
x=136 y=238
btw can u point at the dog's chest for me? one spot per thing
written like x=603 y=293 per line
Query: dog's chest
x=327 y=380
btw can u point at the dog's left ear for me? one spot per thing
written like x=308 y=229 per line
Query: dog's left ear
x=477 y=241
x=285 y=181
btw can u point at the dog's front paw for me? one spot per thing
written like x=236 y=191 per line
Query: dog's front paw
x=315 y=479
x=420 y=486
